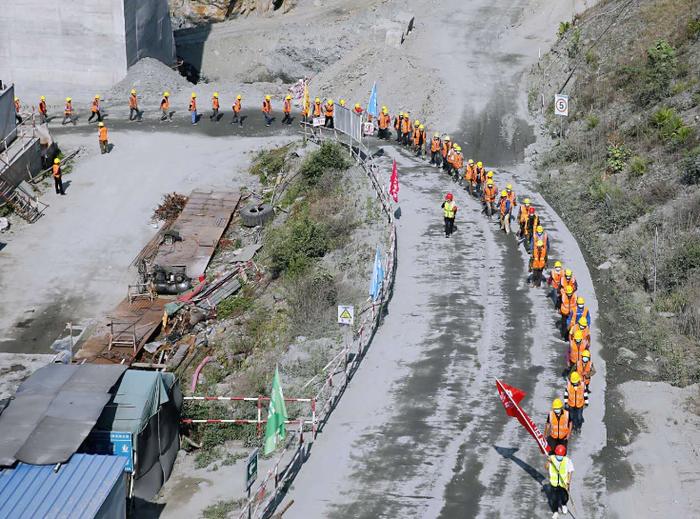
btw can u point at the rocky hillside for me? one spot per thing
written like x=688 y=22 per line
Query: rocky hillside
x=626 y=174
x=188 y=13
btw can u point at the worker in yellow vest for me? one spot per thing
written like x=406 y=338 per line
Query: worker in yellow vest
x=450 y=212
x=560 y=468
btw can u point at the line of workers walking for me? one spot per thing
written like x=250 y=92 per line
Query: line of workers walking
x=565 y=419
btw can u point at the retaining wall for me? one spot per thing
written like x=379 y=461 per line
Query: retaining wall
x=80 y=42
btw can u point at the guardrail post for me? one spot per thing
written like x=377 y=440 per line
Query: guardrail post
x=313 y=418
x=259 y=422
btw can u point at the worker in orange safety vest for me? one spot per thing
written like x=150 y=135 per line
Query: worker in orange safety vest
x=488 y=197
x=215 y=105
x=435 y=145
x=134 y=112
x=95 y=109
x=522 y=218
x=102 y=138
x=166 y=114
x=576 y=399
x=236 y=107
x=558 y=427
x=329 y=113
x=267 y=110
x=287 y=110
x=384 y=123
x=568 y=305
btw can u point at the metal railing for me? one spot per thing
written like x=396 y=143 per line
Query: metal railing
x=340 y=370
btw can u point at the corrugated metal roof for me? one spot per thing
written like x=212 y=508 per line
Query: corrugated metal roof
x=76 y=491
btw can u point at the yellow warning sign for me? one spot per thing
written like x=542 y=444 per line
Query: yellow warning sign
x=346 y=314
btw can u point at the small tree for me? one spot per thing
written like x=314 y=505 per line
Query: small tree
x=659 y=71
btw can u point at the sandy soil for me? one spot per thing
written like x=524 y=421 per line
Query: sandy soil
x=665 y=453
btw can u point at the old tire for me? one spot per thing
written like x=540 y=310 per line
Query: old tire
x=256 y=214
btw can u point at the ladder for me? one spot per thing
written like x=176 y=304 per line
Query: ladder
x=22 y=202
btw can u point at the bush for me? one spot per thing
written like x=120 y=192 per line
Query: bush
x=294 y=245
x=692 y=30
x=670 y=126
x=573 y=47
x=310 y=298
x=591 y=58
x=690 y=167
x=683 y=263
x=269 y=163
x=329 y=156
x=563 y=28
x=592 y=121
x=638 y=166
x=617 y=157
x=660 y=69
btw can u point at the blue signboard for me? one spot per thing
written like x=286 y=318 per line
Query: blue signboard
x=112 y=442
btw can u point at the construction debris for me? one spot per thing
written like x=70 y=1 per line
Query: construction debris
x=170 y=208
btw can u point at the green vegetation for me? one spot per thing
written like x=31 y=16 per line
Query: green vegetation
x=233 y=306
x=573 y=47
x=617 y=157
x=638 y=166
x=222 y=509
x=329 y=156
x=671 y=128
x=563 y=28
x=268 y=164
x=659 y=71
x=690 y=167
x=592 y=121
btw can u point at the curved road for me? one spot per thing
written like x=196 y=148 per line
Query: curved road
x=420 y=431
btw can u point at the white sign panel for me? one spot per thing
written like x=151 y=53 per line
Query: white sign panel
x=561 y=105
x=346 y=314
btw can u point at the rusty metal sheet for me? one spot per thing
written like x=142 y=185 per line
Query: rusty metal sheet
x=201 y=225
x=145 y=315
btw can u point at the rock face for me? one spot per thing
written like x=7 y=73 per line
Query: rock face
x=189 y=13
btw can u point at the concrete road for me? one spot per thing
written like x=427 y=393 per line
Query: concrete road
x=420 y=432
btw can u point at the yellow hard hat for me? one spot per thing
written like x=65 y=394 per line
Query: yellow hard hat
x=569 y=290
x=505 y=193
x=267 y=98
x=580 y=301
x=458 y=147
x=575 y=377
x=583 y=322
x=470 y=161
x=239 y=96
x=568 y=273
x=330 y=101
x=317 y=100
x=578 y=335
x=68 y=99
x=416 y=122
x=56 y=161
x=100 y=124
x=216 y=94
x=557 y=264
x=16 y=98
x=194 y=95
x=509 y=186
x=357 y=105
x=42 y=98
x=540 y=243
x=526 y=201
x=557 y=404
x=385 y=110
x=480 y=164
x=342 y=102
x=436 y=134
x=447 y=137
x=489 y=174
x=166 y=94
x=539 y=228
x=586 y=353
x=133 y=91
x=489 y=182
x=422 y=127
x=288 y=97
x=97 y=96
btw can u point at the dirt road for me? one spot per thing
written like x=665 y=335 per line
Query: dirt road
x=420 y=432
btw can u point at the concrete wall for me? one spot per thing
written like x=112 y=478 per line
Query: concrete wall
x=148 y=31
x=7 y=115
x=80 y=42
x=17 y=171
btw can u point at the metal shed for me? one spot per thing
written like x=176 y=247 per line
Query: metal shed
x=87 y=487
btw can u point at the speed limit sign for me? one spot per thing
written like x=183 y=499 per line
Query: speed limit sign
x=561 y=105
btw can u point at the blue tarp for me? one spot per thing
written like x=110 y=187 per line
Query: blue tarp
x=87 y=487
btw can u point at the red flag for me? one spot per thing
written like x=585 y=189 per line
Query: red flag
x=511 y=397
x=394 y=183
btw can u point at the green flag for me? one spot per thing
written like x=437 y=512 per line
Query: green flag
x=276 y=416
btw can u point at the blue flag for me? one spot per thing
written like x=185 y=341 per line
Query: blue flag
x=375 y=286
x=372 y=104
